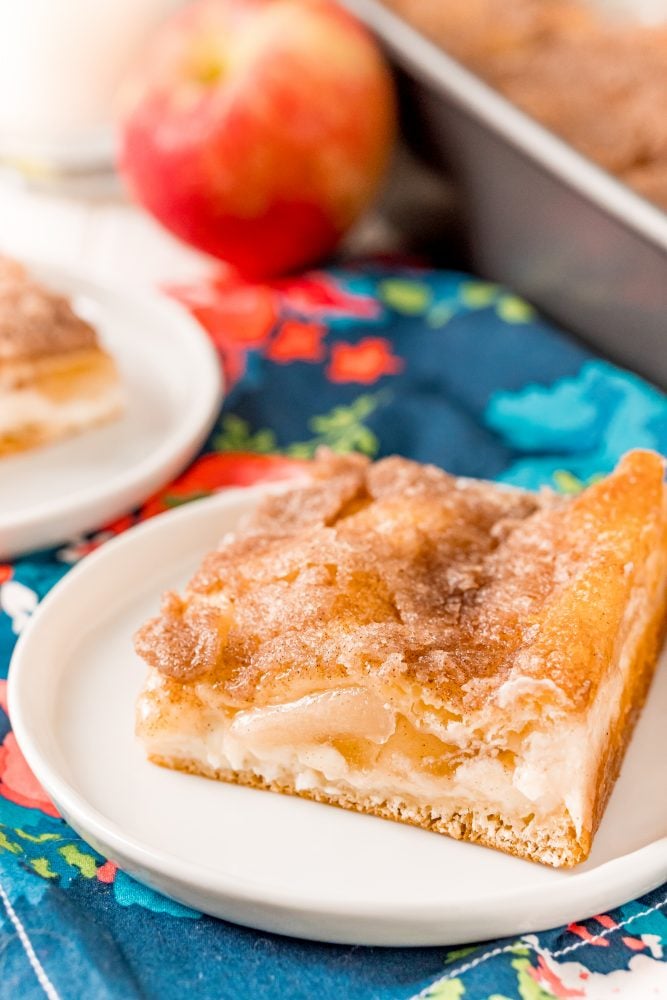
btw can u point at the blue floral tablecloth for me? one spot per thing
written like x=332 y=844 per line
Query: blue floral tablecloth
x=437 y=366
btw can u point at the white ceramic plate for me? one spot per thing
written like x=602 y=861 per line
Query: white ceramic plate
x=172 y=379
x=266 y=860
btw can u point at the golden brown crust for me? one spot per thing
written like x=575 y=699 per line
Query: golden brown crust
x=349 y=566
x=453 y=586
x=604 y=538
x=634 y=695
x=35 y=321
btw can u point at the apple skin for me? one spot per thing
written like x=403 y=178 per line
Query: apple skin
x=258 y=130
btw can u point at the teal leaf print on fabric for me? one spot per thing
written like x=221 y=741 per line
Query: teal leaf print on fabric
x=579 y=426
x=127 y=892
x=19 y=882
x=649 y=926
x=562 y=417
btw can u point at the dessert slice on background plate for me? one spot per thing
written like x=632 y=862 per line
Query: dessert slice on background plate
x=55 y=379
x=450 y=653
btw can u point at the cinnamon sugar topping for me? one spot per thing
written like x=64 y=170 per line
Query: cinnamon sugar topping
x=34 y=321
x=402 y=569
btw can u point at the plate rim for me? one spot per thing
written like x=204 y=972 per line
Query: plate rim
x=629 y=875
x=172 y=455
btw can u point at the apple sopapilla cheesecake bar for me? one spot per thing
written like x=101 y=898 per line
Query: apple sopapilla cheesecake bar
x=455 y=654
x=55 y=378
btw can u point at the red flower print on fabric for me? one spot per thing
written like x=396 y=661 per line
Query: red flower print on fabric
x=216 y=471
x=232 y=312
x=298 y=340
x=634 y=944
x=546 y=978
x=318 y=293
x=237 y=317
x=240 y=316
x=107 y=872
x=364 y=362
x=585 y=935
x=18 y=783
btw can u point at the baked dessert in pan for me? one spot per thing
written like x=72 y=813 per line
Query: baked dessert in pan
x=591 y=71
x=55 y=379
x=458 y=655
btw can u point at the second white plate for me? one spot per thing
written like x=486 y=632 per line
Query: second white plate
x=173 y=384
x=266 y=860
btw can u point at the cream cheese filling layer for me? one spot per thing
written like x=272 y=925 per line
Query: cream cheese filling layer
x=350 y=740
x=313 y=743
x=23 y=408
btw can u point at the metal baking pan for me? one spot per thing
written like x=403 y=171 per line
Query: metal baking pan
x=579 y=244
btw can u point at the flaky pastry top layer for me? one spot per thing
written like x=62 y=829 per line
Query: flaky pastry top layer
x=400 y=572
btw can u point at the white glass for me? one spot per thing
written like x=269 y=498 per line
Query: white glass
x=61 y=62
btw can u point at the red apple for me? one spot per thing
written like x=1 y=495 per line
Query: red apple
x=258 y=130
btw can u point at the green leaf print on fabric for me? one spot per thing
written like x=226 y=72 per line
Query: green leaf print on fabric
x=458 y=953
x=86 y=863
x=172 y=501
x=41 y=857
x=411 y=298
x=475 y=296
x=341 y=429
x=236 y=435
x=446 y=989
x=515 y=310
x=479 y=294
x=8 y=845
x=43 y=868
x=569 y=484
x=41 y=838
